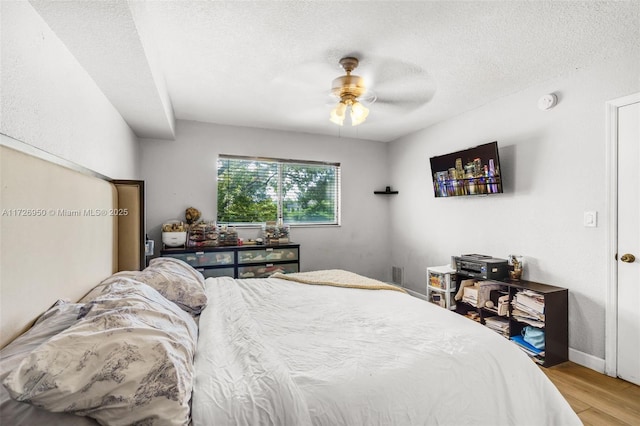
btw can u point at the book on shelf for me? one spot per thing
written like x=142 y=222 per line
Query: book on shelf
x=498 y=324
x=526 y=320
x=530 y=300
x=538 y=359
x=528 y=306
x=519 y=311
x=470 y=301
x=531 y=293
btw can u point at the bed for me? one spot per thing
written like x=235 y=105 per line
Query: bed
x=283 y=352
x=164 y=346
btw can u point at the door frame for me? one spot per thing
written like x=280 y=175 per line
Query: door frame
x=611 y=306
x=131 y=245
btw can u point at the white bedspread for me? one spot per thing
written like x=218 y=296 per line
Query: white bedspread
x=275 y=352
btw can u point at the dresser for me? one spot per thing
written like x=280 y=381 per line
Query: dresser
x=247 y=261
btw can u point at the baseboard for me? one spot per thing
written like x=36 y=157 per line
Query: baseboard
x=415 y=294
x=586 y=360
x=408 y=290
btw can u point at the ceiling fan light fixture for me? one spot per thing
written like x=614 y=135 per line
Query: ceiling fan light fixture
x=359 y=113
x=338 y=113
x=348 y=88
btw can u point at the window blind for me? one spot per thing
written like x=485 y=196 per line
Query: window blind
x=255 y=190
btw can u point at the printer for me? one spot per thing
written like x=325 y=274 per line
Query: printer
x=480 y=266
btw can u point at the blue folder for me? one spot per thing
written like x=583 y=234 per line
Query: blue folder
x=520 y=340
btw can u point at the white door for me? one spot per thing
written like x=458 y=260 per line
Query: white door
x=628 y=260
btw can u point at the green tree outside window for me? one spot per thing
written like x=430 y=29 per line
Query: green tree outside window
x=252 y=190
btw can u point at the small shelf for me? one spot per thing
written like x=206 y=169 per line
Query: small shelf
x=387 y=191
x=554 y=322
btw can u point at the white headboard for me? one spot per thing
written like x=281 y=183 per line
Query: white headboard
x=55 y=240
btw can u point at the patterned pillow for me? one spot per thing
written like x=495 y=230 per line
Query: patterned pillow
x=56 y=319
x=175 y=280
x=129 y=360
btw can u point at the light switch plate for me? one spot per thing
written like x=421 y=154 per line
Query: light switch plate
x=590 y=219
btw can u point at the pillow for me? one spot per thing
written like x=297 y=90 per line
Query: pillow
x=178 y=268
x=175 y=280
x=129 y=360
x=54 y=320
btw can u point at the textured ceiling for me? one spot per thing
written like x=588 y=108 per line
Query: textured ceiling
x=269 y=64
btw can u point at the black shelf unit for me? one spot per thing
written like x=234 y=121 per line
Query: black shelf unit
x=556 y=311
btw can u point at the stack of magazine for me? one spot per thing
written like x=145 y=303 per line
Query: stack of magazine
x=528 y=307
x=498 y=324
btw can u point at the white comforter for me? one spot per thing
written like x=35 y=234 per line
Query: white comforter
x=274 y=352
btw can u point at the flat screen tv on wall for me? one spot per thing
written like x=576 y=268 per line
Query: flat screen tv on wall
x=473 y=171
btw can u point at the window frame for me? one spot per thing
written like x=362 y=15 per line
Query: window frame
x=280 y=200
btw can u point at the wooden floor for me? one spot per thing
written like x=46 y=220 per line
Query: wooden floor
x=596 y=398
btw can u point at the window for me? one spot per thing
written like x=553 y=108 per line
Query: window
x=256 y=190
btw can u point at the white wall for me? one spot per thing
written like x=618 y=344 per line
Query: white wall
x=553 y=168
x=49 y=101
x=182 y=173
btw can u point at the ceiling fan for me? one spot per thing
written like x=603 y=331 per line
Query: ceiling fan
x=403 y=85
x=349 y=89
x=396 y=86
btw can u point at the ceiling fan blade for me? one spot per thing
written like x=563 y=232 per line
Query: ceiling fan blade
x=368 y=97
x=411 y=88
x=317 y=76
x=400 y=103
x=400 y=82
x=379 y=70
x=303 y=85
x=393 y=86
x=404 y=102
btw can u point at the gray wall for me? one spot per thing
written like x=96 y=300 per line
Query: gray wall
x=553 y=168
x=48 y=100
x=182 y=173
